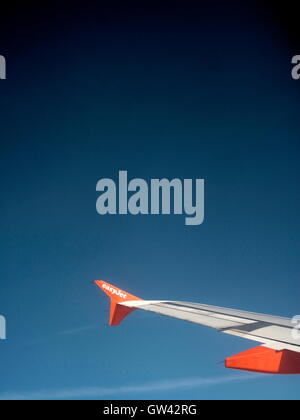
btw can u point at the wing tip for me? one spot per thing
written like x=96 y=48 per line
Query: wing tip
x=117 y=296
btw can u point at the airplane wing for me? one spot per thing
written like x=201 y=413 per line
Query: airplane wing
x=279 y=349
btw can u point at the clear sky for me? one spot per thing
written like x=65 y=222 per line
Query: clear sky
x=167 y=93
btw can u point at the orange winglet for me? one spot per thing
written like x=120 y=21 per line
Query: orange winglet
x=117 y=311
x=265 y=360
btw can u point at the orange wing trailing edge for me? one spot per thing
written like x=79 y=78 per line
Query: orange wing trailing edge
x=264 y=360
x=279 y=350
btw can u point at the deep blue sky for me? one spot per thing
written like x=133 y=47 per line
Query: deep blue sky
x=159 y=94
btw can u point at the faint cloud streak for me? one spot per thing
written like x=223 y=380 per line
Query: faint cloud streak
x=103 y=392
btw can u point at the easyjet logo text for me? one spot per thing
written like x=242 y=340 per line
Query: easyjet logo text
x=114 y=291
